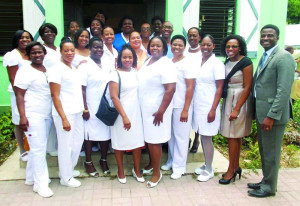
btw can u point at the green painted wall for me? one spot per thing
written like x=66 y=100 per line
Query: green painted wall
x=55 y=15
x=174 y=14
x=4 y=95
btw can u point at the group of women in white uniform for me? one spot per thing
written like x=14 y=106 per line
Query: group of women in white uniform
x=157 y=104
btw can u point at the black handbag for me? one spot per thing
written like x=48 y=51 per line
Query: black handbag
x=106 y=113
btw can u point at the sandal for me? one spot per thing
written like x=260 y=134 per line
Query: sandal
x=90 y=169
x=104 y=166
x=24 y=156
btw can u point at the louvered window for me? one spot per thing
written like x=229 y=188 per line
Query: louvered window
x=11 y=19
x=217 y=18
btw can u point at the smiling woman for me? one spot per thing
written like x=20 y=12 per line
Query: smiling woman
x=34 y=106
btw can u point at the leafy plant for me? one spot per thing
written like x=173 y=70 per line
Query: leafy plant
x=289 y=154
x=7 y=140
x=252 y=158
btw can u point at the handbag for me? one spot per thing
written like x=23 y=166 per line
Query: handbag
x=106 y=113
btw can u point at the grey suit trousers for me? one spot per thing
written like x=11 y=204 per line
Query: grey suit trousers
x=269 y=143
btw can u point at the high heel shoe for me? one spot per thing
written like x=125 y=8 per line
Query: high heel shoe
x=154 y=184
x=239 y=171
x=195 y=146
x=226 y=182
x=104 y=166
x=90 y=169
x=139 y=179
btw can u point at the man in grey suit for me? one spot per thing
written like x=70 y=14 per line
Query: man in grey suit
x=272 y=84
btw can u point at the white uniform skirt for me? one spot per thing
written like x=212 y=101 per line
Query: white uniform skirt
x=96 y=130
x=157 y=134
x=14 y=109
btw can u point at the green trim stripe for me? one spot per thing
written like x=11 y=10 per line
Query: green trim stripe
x=187 y=3
x=253 y=8
x=39 y=5
x=252 y=33
x=36 y=36
x=184 y=32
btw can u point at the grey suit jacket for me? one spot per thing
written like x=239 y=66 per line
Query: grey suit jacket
x=273 y=87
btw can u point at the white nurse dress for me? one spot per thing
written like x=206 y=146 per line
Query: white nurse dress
x=151 y=91
x=122 y=139
x=205 y=89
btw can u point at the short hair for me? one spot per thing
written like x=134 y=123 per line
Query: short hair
x=179 y=36
x=64 y=41
x=165 y=46
x=210 y=37
x=132 y=32
x=70 y=22
x=101 y=23
x=123 y=19
x=200 y=32
x=271 y=26
x=95 y=38
x=49 y=26
x=106 y=28
x=32 y=44
x=240 y=39
x=289 y=48
x=78 y=33
x=124 y=47
x=18 y=36
x=101 y=12
x=162 y=20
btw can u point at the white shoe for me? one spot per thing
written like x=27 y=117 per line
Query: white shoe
x=43 y=191
x=53 y=154
x=76 y=173
x=71 y=183
x=139 y=179
x=144 y=171
x=123 y=180
x=205 y=176
x=166 y=167
x=175 y=176
x=30 y=182
x=95 y=149
x=82 y=154
x=154 y=184
x=199 y=170
x=24 y=156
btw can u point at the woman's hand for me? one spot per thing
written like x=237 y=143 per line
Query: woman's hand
x=66 y=124
x=24 y=124
x=126 y=123
x=86 y=115
x=234 y=115
x=158 y=118
x=184 y=116
x=211 y=116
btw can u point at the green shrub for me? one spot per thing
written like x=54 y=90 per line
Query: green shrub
x=7 y=140
x=252 y=158
x=289 y=155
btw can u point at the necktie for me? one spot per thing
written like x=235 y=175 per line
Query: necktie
x=263 y=61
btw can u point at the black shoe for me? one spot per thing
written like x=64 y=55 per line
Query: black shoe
x=226 y=182
x=239 y=171
x=254 y=186
x=260 y=193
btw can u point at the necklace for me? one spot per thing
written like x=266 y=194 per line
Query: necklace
x=194 y=49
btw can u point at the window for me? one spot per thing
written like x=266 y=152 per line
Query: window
x=217 y=18
x=11 y=19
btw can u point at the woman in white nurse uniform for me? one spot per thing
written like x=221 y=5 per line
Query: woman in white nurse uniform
x=34 y=105
x=127 y=131
x=14 y=60
x=206 y=115
x=95 y=75
x=194 y=52
x=110 y=54
x=48 y=34
x=65 y=85
x=81 y=42
x=182 y=109
x=157 y=82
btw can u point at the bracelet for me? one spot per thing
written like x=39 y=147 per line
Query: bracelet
x=85 y=111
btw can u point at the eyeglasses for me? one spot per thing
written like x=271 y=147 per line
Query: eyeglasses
x=233 y=46
x=167 y=27
x=146 y=29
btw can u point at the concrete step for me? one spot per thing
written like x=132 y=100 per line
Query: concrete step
x=127 y=159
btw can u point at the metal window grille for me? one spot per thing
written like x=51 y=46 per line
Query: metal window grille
x=217 y=18
x=11 y=19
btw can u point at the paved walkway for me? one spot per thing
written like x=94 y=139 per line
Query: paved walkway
x=185 y=191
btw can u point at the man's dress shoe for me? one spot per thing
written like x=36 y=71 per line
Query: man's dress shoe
x=260 y=193
x=254 y=186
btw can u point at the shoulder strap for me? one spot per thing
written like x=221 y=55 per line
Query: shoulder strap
x=104 y=93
